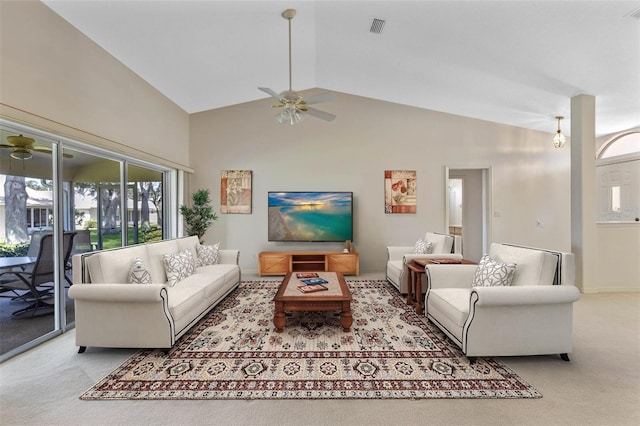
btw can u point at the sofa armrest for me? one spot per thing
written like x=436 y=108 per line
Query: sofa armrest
x=450 y=276
x=525 y=295
x=409 y=257
x=132 y=293
x=228 y=256
x=397 y=252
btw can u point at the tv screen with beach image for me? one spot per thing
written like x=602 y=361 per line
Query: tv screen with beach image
x=310 y=216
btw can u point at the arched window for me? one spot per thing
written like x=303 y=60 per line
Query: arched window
x=618 y=178
x=626 y=143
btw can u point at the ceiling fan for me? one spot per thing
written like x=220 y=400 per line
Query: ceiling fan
x=21 y=147
x=293 y=104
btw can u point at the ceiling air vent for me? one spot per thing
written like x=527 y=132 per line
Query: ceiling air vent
x=377 y=25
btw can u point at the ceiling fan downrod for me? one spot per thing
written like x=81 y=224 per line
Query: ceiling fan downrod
x=288 y=15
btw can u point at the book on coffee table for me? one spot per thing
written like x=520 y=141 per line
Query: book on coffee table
x=312 y=288
x=306 y=275
x=446 y=261
x=313 y=281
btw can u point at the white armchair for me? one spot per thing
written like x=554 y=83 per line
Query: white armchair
x=442 y=246
x=532 y=316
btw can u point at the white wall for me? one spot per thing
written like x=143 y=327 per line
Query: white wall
x=530 y=178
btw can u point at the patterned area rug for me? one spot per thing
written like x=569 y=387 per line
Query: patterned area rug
x=235 y=353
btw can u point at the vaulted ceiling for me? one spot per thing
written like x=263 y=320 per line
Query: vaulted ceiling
x=512 y=62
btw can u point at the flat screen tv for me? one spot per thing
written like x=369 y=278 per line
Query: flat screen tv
x=310 y=216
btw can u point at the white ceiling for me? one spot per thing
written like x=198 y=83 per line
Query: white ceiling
x=511 y=62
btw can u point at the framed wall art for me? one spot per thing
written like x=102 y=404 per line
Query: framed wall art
x=235 y=191
x=400 y=189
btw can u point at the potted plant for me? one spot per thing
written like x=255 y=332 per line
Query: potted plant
x=200 y=216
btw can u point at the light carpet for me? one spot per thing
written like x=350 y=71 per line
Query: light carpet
x=235 y=353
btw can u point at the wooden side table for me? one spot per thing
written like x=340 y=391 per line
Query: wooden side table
x=415 y=284
x=416 y=272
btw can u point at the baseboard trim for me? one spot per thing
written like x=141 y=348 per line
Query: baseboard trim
x=600 y=290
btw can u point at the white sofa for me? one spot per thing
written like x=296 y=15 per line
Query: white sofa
x=111 y=312
x=532 y=316
x=443 y=246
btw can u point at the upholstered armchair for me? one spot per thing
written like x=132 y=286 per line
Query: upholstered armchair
x=531 y=316
x=437 y=246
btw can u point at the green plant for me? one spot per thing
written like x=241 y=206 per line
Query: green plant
x=152 y=233
x=200 y=216
x=13 y=250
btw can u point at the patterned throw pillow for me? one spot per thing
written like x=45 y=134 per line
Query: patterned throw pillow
x=423 y=247
x=208 y=255
x=179 y=266
x=491 y=272
x=138 y=274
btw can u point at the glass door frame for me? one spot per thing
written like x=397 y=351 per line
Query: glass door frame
x=170 y=226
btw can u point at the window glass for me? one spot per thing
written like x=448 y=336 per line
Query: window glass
x=625 y=144
x=144 y=202
x=87 y=192
x=29 y=283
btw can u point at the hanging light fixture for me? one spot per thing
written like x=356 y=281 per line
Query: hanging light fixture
x=294 y=106
x=21 y=154
x=559 y=139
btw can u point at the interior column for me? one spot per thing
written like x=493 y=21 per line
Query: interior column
x=583 y=189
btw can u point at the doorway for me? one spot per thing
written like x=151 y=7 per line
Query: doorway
x=467 y=207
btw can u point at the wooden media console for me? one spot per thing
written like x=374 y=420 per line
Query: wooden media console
x=283 y=262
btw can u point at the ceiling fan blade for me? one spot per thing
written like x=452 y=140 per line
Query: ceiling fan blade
x=320 y=114
x=20 y=141
x=270 y=92
x=2 y=145
x=49 y=151
x=42 y=149
x=322 y=97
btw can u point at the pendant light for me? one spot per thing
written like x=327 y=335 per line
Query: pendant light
x=559 y=139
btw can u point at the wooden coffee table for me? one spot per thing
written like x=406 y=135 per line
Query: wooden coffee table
x=290 y=299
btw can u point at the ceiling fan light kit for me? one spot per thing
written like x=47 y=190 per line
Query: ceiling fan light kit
x=293 y=105
x=21 y=154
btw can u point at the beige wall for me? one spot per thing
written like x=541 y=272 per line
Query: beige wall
x=618 y=267
x=55 y=78
x=530 y=178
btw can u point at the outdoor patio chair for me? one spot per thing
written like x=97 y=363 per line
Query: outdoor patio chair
x=30 y=285
x=81 y=244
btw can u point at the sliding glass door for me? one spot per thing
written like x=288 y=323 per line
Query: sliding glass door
x=51 y=188
x=30 y=259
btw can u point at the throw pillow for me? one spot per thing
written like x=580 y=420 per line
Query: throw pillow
x=491 y=272
x=429 y=247
x=179 y=266
x=138 y=274
x=422 y=247
x=207 y=255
